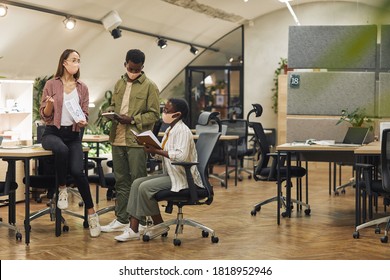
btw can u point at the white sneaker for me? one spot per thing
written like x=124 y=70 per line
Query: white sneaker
x=127 y=235
x=62 y=199
x=94 y=226
x=115 y=225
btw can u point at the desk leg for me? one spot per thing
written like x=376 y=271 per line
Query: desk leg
x=27 y=227
x=288 y=185
x=236 y=164
x=225 y=148
x=279 y=190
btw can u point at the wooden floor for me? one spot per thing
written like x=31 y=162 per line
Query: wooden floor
x=325 y=235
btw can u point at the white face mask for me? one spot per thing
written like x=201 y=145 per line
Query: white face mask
x=168 y=118
x=133 y=76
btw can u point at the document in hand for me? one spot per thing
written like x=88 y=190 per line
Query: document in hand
x=147 y=138
x=111 y=115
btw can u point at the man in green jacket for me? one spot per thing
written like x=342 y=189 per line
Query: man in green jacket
x=136 y=100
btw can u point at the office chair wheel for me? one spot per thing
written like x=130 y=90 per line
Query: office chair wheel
x=253 y=212
x=384 y=239
x=343 y=191
x=377 y=230
x=165 y=234
x=205 y=234
x=336 y=193
x=85 y=224
x=176 y=242
x=284 y=214
x=222 y=184
x=145 y=238
x=81 y=203
x=65 y=228
x=307 y=212
x=18 y=236
x=214 y=239
x=39 y=200
x=356 y=235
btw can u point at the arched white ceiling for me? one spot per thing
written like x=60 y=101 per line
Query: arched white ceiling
x=31 y=41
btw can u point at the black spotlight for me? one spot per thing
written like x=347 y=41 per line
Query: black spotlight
x=194 y=50
x=162 y=43
x=116 y=33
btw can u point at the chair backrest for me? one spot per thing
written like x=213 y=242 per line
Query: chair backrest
x=204 y=147
x=264 y=148
x=238 y=127
x=385 y=160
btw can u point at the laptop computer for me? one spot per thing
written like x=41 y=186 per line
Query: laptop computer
x=355 y=136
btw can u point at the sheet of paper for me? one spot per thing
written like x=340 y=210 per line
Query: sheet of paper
x=75 y=110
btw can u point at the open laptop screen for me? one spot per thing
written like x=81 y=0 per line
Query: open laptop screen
x=356 y=135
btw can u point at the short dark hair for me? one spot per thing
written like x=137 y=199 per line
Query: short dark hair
x=136 y=56
x=180 y=105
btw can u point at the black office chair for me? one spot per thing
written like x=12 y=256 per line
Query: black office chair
x=239 y=127
x=7 y=193
x=378 y=187
x=266 y=168
x=191 y=196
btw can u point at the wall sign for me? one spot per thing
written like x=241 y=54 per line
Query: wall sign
x=295 y=81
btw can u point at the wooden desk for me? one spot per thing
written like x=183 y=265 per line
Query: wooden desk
x=101 y=138
x=26 y=155
x=319 y=153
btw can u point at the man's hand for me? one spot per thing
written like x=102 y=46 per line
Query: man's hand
x=123 y=119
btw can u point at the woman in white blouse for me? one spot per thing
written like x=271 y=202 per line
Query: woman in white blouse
x=177 y=145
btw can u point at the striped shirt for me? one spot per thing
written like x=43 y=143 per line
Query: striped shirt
x=181 y=147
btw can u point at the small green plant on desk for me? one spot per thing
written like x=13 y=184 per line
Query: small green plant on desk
x=357 y=118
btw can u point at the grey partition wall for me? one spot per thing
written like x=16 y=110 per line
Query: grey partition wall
x=384 y=95
x=385 y=47
x=332 y=47
x=328 y=93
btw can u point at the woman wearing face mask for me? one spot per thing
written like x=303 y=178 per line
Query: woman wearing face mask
x=62 y=130
x=177 y=145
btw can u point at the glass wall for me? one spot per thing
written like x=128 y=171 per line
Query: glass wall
x=214 y=80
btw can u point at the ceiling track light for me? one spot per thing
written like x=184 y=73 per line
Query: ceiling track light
x=3 y=10
x=69 y=23
x=194 y=50
x=116 y=33
x=162 y=43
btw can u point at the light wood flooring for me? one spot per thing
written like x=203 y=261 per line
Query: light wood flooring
x=325 y=235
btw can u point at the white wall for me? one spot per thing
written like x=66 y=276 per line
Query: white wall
x=267 y=41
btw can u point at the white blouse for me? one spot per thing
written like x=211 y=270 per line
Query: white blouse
x=181 y=147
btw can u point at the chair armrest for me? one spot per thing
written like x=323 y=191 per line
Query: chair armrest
x=191 y=184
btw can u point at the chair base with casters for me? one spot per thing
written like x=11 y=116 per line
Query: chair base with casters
x=283 y=203
x=9 y=189
x=155 y=231
x=376 y=223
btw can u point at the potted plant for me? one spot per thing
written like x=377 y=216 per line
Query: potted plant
x=282 y=68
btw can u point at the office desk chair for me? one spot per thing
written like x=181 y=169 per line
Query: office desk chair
x=239 y=127
x=266 y=168
x=191 y=196
x=8 y=188
x=375 y=188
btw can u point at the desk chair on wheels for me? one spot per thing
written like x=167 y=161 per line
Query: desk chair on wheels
x=239 y=127
x=191 y=196
x=8 y=188
x=266 y=168
x=375 y=188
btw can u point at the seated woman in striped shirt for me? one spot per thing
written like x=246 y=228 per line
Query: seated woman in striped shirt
x=177 y=145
